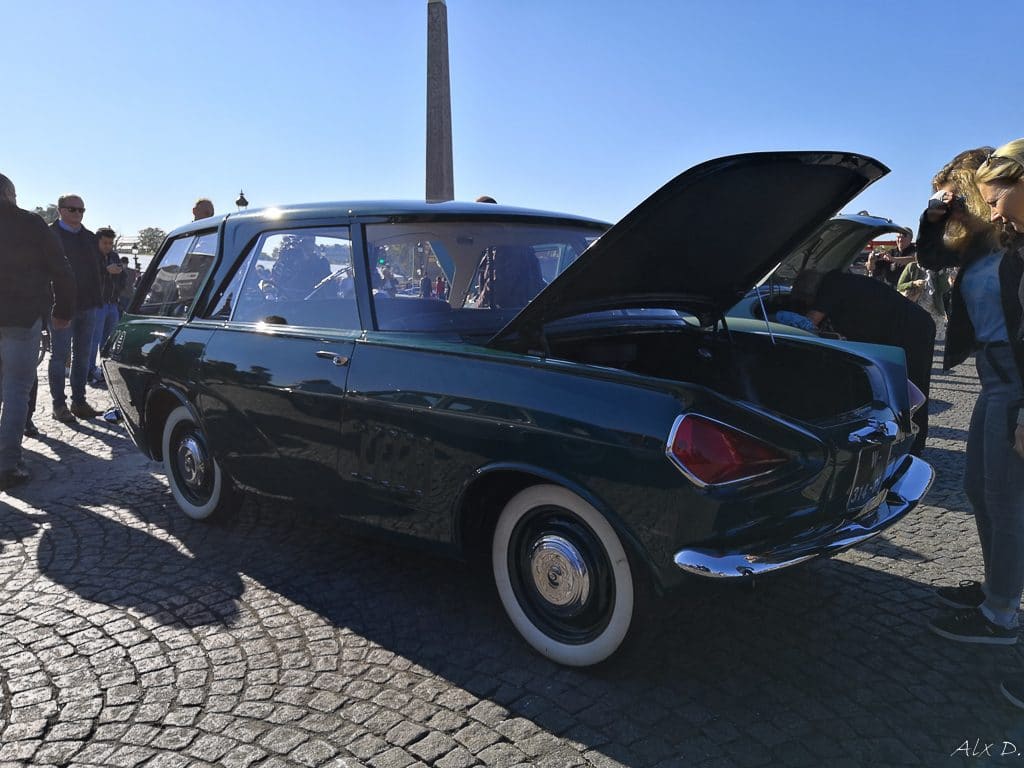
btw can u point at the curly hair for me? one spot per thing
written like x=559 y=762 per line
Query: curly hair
x=958 y=174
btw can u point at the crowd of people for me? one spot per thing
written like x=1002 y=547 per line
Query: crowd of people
x=66 y=281
x=966 y=269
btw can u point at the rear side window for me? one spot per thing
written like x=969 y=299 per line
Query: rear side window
x=469 y=276
x=173 y=286
x=295 y=277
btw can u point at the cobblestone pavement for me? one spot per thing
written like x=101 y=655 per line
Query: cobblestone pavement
x=130 y=635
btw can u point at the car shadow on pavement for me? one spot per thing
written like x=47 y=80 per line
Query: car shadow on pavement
x=946 y=433
x=16 y=525
x=936 y=406
x=829 y=662
x=88 y=548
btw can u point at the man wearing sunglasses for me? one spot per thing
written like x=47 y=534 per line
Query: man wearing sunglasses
x=86 y=262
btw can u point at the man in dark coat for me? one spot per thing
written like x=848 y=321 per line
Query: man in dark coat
x=30 y=262
x=862 y=309
x=86 y=262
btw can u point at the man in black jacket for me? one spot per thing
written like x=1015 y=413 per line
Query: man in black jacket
x=87 y=264
x=108 y=314
x=862 y=309
x=30 y=261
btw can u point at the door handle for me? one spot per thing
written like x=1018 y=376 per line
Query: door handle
x=338 y=360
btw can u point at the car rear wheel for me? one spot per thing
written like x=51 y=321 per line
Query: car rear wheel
x=197 y=483
x=563 y=575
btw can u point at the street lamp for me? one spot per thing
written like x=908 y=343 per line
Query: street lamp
x=241 y=202
x=135 y=255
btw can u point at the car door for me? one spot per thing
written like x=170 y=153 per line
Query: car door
x=141 y=351
x=274 y=370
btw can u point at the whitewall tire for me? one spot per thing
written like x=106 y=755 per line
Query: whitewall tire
x=563 y=576
x=197 y=483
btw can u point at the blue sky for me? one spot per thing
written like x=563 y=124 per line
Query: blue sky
x=585 y=107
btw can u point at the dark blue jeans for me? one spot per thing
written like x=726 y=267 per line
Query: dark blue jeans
x=106 y=318
x=76 y=338
x=19 y=350
x=994 y=482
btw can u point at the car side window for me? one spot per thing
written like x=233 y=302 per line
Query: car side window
x=295 y=277
x=180 y=273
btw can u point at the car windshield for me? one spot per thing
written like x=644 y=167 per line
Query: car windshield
x=467 y=276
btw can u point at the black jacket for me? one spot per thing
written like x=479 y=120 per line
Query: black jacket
x=932 y=253
x=112 y=285
x=30 y=260
x=83 y=254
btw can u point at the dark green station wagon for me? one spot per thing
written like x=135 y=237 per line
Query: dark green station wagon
x=569 y=397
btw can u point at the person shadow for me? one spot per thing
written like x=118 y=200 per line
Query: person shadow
x=89 y=542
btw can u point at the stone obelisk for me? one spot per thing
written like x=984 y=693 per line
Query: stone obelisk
x=440 y=174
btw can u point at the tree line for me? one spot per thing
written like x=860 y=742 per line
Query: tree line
x=148 y=239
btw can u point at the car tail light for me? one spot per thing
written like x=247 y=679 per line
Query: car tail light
x=917 y=398
x=711 y=453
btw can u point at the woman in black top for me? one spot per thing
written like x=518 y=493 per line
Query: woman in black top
x=1000 y=181
x=985 y=320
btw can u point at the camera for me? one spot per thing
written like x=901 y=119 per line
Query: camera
x=936 y=203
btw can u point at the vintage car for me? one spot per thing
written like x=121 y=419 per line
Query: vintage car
x=835 y=245
x=593 y=437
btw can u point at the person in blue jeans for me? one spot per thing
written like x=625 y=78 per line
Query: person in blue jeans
x=30 y=261
x=985 y=319
x=1000 y=180
x=108 y=314
x=86 y=262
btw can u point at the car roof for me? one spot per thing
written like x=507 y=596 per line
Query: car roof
x=354 y=208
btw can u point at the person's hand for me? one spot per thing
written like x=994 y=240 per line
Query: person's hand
x=115 y=269
x=59 y=324
x=919 y=283
x=1018 y=440
x=938 y=206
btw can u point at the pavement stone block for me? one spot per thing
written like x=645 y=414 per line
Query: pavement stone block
x=433 y=746
x=395 y=757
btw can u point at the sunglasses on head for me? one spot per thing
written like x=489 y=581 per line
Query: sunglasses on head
x=993 y=156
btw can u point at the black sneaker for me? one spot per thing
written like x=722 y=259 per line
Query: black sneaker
x=63 y=414
x=969 y=625
x=13 y=477
x=84 y=411
x=968 y=594
x=1013 y=690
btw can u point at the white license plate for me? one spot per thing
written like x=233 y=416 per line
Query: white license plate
x=870 y=474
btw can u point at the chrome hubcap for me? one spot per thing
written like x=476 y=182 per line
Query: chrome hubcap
x=192 y=464
x=560 y=573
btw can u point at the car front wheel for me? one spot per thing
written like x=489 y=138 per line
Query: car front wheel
x=197 y=483
x=562 y=575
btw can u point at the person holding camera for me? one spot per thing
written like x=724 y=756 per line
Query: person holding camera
x=865 y=310
x=984 y=319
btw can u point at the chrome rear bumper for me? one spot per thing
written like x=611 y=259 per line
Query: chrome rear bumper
x=908 y=485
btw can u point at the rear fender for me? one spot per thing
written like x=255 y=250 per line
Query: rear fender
x=492 y=472
x=160 y=401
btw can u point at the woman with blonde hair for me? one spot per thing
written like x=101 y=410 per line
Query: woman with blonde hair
x=984 y=319
x=1000 y=180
